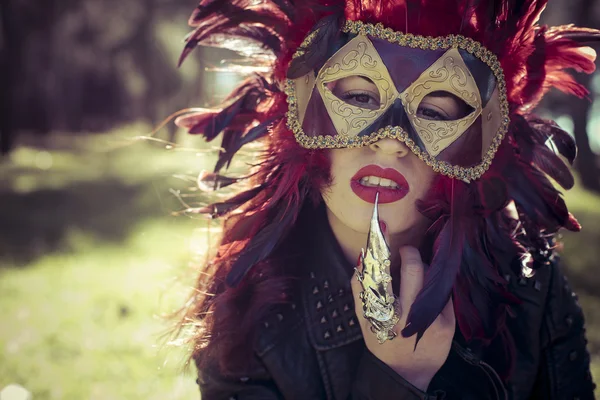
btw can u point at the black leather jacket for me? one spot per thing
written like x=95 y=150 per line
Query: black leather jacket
x=312 y=347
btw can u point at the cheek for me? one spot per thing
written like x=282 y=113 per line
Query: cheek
x=404 y=215
x=339 y=197
x=340 y=170
x=426 y=176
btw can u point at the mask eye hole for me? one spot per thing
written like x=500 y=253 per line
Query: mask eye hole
x=357 y=90
x=443 y=106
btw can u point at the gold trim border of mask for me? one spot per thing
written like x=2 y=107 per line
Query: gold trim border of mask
x=466 y=174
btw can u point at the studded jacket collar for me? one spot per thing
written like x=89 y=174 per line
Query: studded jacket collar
x=312 y=347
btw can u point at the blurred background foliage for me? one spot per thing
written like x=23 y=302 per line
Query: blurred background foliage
x=95 y=247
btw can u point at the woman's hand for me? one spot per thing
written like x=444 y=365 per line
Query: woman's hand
x=416 y=365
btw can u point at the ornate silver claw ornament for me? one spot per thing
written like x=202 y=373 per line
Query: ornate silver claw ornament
x=378 y=299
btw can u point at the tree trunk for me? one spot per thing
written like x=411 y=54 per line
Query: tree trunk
x=587 y=161
x=8 y=70
x=586 y=164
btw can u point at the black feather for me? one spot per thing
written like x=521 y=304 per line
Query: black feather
x=261 y=245
x=217 y=210
x=233 y=142
x=266 y=240
x=549 y=130
x=210 y=181
x=328 y=31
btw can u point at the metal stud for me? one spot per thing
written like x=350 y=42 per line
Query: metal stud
x=569 y=320
x=326 y=284
x=293 y=306
x=507 y=277
x=280 y=317
x=339 y=329
x=573 y=355
x=312 y=275
x=537 y=285
x=323 y=319
x=522 y=282
x=346 y=307
x=315 y=290
x=319 y=305
x=330 y=298
x=327 y=335
x=351 y=322
x=334 y=314
x=266 y=324
x=341 y=292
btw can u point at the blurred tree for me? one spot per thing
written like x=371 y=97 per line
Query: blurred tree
x=587 y=162
x=80 y=66
x=10 y=52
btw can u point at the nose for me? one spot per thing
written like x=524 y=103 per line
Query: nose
x=389 y=146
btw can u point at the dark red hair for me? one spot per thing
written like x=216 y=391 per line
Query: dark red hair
x=474 y=240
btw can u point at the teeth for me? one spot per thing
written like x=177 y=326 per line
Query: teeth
x=374 y=181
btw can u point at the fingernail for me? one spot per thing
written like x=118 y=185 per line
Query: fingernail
x=383 y=227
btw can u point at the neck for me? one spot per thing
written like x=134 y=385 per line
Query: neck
x=352 y=241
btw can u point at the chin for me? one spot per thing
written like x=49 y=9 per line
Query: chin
x=397 y=217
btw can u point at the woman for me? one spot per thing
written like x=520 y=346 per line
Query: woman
x=409 y=120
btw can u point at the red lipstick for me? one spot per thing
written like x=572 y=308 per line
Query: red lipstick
x=386 y=194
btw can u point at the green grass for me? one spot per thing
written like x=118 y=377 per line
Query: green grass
x=582 y=260
x=91 y=257
x=91 y=261
x=85 y=324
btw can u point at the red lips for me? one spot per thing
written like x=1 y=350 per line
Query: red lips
x=386 y=194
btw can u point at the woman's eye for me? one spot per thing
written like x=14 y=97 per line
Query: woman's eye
x=443 y=106
x=431 y=114
x=361 y=99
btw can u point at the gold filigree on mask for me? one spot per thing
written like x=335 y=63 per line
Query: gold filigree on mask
x=357 y=58
x=448 y=74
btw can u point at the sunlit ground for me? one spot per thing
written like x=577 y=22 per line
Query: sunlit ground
x=91 y=257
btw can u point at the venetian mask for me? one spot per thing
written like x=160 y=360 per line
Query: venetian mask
x=380 y=85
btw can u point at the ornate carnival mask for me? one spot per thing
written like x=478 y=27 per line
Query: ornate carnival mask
x=386 y=84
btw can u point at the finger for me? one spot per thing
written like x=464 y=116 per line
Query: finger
x=355 y=283
x=447 y=313
x=356 y=290
x=411 y=275
x=386 y=236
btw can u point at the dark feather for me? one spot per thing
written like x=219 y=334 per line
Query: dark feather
x=236 y=141
x=493 y=194
x=546 y=160
x=319 y=51
x=236 y=18
x=547 y=130
x=212 y=126
x=534 y=148
x=210 y=181
x=263 y=243
x=441 y=274
x=541 y=201
x=217 y=210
